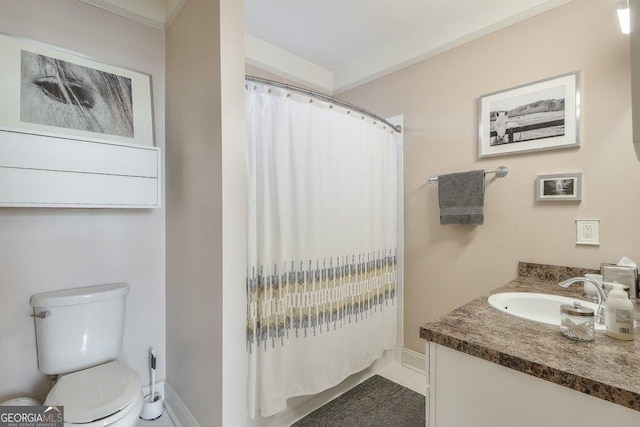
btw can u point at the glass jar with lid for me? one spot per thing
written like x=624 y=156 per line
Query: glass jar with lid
x=577 y=322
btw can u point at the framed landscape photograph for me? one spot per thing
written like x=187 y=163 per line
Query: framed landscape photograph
x=53 y=92
x=560 y=187
x=537 y=116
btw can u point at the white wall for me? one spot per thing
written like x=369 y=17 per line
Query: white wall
x=234 y=225
x=49 y=249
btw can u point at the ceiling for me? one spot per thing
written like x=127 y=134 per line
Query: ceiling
x=335 y=45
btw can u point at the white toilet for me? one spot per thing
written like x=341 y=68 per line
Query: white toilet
x=79 y=334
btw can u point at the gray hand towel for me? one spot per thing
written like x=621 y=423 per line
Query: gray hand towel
x=461 y=198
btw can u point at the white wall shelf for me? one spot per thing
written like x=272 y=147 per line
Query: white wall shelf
x=41 y=171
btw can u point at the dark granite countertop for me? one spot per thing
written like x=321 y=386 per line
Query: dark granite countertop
x=605 y=368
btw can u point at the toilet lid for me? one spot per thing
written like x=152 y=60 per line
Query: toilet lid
x=94 y=393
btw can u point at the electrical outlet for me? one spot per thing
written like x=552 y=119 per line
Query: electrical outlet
x=587 y=232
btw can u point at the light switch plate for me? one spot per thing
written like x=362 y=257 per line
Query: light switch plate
x=587 y=232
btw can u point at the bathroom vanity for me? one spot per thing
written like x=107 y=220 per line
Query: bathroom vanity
x=488 y=368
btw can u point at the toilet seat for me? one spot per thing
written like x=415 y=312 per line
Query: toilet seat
x=102 y=394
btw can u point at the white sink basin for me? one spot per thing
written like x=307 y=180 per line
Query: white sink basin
x=542 y=308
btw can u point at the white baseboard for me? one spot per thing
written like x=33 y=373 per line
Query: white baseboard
x=414 y=360
x=177 y=410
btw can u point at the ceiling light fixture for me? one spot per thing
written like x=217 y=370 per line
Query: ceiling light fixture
x=624 y=16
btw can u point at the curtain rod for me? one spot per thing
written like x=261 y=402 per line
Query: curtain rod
x=323 y=97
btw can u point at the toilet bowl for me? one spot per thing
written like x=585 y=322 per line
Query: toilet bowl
x=105 y=395
x=79 y=333
x=120 y=397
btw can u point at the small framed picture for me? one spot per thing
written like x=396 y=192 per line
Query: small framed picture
x=560 y=187
x=542 y=115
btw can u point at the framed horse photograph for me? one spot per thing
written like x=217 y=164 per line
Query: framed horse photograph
x=53 y=92
x=542 y=115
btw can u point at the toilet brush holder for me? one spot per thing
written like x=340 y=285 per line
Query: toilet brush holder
x=152 y=407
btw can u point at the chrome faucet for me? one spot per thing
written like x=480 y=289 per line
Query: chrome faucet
x=602 y=296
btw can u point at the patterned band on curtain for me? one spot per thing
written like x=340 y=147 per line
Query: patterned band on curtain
x=306 y=300
x=321 y=245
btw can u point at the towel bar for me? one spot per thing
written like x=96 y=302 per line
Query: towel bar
x=501 y=171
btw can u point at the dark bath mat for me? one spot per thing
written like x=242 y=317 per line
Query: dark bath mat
x=377 y=402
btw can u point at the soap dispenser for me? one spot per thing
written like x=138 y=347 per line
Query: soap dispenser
x=619 y=313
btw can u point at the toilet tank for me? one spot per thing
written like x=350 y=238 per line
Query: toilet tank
x=79 y=328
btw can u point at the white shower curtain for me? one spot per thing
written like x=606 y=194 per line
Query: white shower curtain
x=322 y=234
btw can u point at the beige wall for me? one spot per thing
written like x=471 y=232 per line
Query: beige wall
x=194 y=211
x=635 y=76
x=50 y=249
x=205 y=189
x=448 y=266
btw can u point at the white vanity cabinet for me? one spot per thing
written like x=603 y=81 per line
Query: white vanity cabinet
x=42 y=171
x=467 y=391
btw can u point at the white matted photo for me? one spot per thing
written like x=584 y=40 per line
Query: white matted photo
x=53 y=92
x=559 y=187
x=538 y=116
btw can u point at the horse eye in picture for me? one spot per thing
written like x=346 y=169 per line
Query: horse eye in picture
x=58 y=93
x=71 y=93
